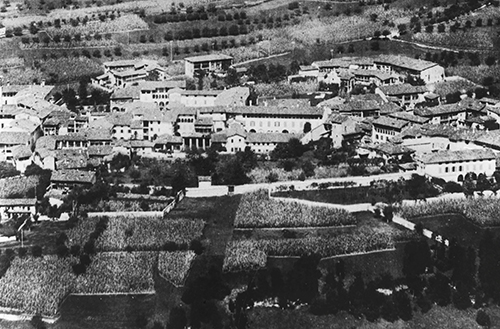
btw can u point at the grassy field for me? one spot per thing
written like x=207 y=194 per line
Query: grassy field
x=437 y=317
x=454 y=226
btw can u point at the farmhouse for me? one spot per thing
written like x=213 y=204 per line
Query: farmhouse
x=72 y=177
x=194 y=98
x=451 y=114
x=276 y=118
x=236 y=139
x=157 y=91
x=454 y=165
x=405 y=95
x=212 y=63
x=385 y=128
x=15 y=207
x=360 y=108
x=429 y=72
x=168 y=143
x=10 y=139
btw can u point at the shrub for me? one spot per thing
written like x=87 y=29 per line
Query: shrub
x=483 y=319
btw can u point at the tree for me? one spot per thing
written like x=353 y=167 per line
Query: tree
x=96 y=53
x=483 y=319
x=429 y=28
x=82 y=89
x=69 y=98
x=177 y=318
x=8 y=170
x=229 y=171
x=490 y=60
x=302 y=282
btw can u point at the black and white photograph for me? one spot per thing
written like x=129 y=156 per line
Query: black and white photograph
x=249 y=164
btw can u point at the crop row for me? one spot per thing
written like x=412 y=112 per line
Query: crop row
x=257 y=210
x=242 y=255
x=36 y=285
x=39 y=285
x=118 y=272
x=174 y=266
x=482 y=211
x=148 y=233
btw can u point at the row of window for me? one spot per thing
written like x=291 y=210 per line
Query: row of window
x=461 y=168
x=385 y=131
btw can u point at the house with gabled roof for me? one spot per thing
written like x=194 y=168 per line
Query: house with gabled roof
x=454 y=165
x=410 y=117
x=11 y=139
x=385 y=128
x=16 y=207
x=360 y=108
x=451 y=114
x=236 y=139
x=429 y=72
x=68 y=178
x=212 y=63
x=405 y=95
x=168 y=144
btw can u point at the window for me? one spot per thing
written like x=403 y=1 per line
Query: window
x=445 y=169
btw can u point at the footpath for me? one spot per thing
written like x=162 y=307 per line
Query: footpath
x=299 y=185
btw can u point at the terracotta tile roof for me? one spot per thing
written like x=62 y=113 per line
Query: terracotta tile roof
x=168 y=139
x=391 y=149
x=404 y=62
x=129 y=73
x=21 y=152
x=456 y=156
x=204 y=121
x=23 y=125
x=338 y=118
x=41 y=107
x=73 y=176
x=14 y=138
x=410 y=117
x=233 y=96
x=35 y=91
x=439 y=110
x=17 y=202
x=166 y=84
x=9 y=109
x=207 y=58
x=120 y=63
x=46 y=142
x=373 y=73
x=201 y=92
x=402 y=89
x=99 y=150
x=472 y=104
x=73 y=162
x=390 y=107
x=130 y=91
x=360 y=106
x=332 y=102
x=390 y=122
